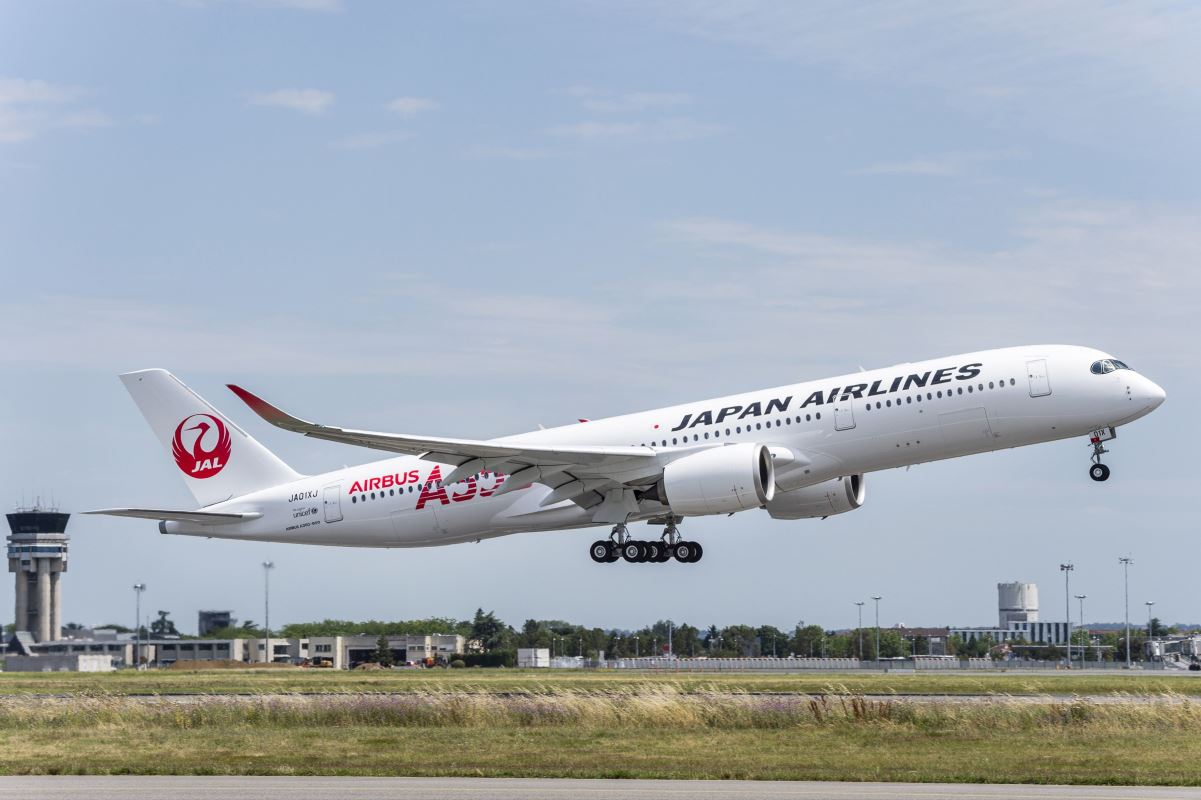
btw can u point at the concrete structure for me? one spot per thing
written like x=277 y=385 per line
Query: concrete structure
x=209 y=621
x=283 y=651
x=1053 y=633
x=165 y=652
x=78 y=662
x=1016 y=602
x=532 y=657
x=37 y=555
x=119 y=652
x=347 y=652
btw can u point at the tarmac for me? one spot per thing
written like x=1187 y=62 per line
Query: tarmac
x=127 y=787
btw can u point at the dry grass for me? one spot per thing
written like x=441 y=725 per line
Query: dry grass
x=243 y=681
x=666 y=731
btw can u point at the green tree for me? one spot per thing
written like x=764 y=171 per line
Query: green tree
x=163 y=626
x=383 y=653
x=491 y=633
x=807 y=642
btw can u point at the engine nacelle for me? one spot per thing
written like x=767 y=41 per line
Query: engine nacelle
x=722 y=480
x=835 y=496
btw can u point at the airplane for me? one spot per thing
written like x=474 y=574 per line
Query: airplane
x=799 y=451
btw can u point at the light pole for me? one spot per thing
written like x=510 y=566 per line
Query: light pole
x=267 y=567
x=877 y=598
x=859 y=630
x=138 y=588
x=1066 y=569
x=1126 y=562
x=1083 y=647
x=1150 y=632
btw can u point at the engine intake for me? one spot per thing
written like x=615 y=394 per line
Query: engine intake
x=836 y=496
x=721 y=480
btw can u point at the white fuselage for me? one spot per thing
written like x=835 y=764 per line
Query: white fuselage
x=845 y=425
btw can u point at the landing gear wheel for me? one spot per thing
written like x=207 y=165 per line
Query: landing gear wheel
x=684 y=552
x=600 y=551
x=1098 y=472
x=697 y=552
x=632 y=551
x=654 y=552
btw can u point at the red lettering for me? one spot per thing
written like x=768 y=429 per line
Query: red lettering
x=355 y=488
x=412 y=476
x=428 y=492
x=372 y=483
x=388 y=481
x=471 y=489
x=498 y=479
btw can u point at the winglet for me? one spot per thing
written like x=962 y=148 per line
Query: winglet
x=276 y=416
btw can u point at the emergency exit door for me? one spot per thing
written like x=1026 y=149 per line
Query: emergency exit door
x=1040 y=382
x=333 y=503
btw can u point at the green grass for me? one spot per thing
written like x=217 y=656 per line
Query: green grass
x=496 y=680
x=660 y=731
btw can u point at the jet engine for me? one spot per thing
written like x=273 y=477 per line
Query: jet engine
x=721 y=480
x=835 y=496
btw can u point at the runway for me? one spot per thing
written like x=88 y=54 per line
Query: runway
x=127 y=787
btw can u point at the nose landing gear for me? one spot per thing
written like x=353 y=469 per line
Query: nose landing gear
x=1098 y=471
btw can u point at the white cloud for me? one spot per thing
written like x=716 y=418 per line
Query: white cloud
x=368 y=141
x=940 y=165
x=510 y=153
x=410 y=106
x=1072 y=269
x=306 y=101
x=676 y=129
x=604 y=101
x=1073 y=68
x=29 y=108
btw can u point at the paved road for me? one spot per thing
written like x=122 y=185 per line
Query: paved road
x=208 y=788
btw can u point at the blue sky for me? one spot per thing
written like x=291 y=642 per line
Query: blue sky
x=471 y=219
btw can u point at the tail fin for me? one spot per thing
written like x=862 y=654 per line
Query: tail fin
x=217 y=459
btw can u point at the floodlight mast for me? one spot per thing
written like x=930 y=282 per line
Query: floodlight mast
x=1126 y=562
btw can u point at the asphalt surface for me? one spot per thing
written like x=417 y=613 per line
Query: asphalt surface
x=329 y=788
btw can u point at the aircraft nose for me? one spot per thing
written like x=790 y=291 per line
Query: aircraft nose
x=1154 y=393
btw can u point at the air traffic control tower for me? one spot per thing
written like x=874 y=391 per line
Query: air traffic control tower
x=37 y=553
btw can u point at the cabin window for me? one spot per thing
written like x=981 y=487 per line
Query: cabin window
x=990 y=385
x=354 y=499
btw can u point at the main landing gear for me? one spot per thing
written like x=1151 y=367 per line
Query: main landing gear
x=620 y=545
x=1098 y=471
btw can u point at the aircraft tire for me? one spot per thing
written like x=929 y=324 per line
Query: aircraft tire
x=599 y=551
x=631 y=551
x=1098 y=472
x=697 y=552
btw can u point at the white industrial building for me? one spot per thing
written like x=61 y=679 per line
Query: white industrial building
x=1017 y=615
x=347 y=652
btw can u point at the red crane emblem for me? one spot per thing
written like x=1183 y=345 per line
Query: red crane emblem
x=199 y=462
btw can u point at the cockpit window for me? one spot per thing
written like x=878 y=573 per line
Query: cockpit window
x=1107 y=365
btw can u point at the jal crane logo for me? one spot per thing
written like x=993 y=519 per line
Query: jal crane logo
x=199 y=461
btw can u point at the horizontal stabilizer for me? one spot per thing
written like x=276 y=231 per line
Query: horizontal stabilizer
x=194 y=517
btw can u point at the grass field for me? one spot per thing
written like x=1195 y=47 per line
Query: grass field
x=494 y=680
x=659 y=730
x=604 y=724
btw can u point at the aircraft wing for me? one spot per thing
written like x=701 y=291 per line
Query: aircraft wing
x=194 y=517
x=571 y=471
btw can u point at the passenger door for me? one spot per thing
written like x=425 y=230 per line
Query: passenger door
x=332 y=500
x=1040 y=381
x=844 y=416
